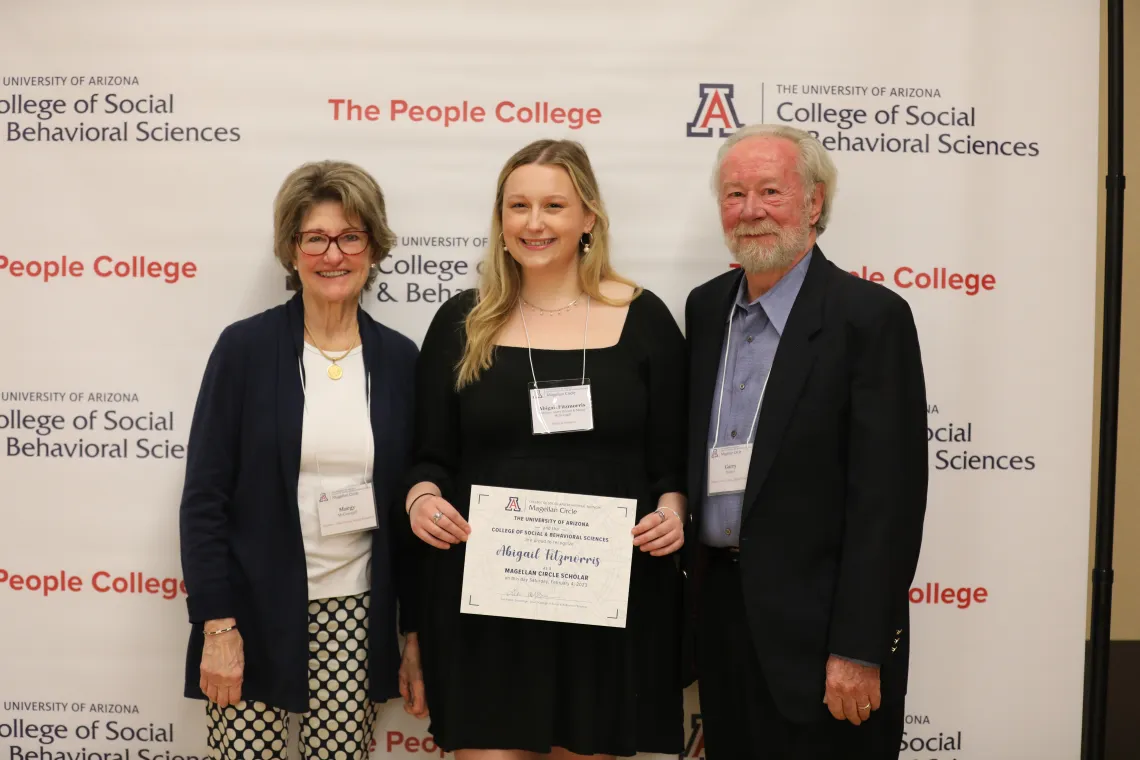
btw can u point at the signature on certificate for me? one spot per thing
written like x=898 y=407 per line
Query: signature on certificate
x=516 y=593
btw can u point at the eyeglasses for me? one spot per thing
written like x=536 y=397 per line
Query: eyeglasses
x=350 y=242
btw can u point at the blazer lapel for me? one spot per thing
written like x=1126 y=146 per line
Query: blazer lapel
x=707 y=342
x=790 y=369
x=290 y=398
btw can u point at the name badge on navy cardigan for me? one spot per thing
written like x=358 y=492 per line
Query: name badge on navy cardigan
x=347 y=510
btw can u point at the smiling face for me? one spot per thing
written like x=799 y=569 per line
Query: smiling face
x=333 y=275
x=767 y=220
x=543 y=216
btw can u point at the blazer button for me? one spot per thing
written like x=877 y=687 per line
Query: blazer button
x=893 y=648
x=898 y=632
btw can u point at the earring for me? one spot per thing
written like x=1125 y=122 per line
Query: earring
x=586 y=241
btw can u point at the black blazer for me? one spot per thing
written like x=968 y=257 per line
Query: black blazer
x=242 y=553
x=836 y=494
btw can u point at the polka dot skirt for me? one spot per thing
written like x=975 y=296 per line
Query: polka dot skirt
x=341 y=717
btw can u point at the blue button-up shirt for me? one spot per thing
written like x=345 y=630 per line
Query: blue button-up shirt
x=756 y=328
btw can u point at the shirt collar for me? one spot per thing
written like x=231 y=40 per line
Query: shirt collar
x=778 y=301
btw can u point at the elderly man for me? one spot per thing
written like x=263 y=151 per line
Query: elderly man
x=807 y=474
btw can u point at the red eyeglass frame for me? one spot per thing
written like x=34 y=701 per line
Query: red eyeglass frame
x=333 y=240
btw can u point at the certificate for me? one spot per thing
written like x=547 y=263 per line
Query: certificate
x=541 y=555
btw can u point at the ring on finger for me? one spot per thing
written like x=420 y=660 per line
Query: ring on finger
x=437 y=517
x=866 y=706
x=660 y=513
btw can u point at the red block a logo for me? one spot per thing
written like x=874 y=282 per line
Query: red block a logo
x=716 y=114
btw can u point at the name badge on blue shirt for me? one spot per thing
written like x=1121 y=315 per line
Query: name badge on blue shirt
x=728 y=468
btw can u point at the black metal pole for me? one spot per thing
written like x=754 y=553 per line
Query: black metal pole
x=1096 y=673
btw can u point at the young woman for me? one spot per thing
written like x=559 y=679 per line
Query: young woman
x=550 y=307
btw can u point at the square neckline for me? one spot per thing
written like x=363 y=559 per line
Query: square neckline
x=621 y=338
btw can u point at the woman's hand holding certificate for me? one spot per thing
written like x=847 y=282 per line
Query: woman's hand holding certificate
x=434 y=520
x=663 y=531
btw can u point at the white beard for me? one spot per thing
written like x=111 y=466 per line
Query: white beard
x=756 y=257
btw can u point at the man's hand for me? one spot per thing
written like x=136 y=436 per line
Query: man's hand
x=852 y=690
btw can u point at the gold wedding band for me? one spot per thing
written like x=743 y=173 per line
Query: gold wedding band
x=866 y=706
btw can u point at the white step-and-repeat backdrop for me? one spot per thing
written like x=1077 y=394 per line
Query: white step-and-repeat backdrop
x=141 y=148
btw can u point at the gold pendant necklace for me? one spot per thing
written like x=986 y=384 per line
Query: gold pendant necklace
x=335 y=372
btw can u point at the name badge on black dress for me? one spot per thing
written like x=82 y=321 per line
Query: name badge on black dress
x=561 y=406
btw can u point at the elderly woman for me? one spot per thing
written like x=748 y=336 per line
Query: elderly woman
x=291 y=515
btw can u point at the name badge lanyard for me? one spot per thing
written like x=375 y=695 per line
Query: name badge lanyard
x=530 y=354
x=723 y=377
x=368 y=448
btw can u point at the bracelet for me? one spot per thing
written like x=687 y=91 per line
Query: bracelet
x=675 y=513
x=425 y=493
x=220 y=631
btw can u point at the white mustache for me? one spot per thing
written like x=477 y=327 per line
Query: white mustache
x=767 y=228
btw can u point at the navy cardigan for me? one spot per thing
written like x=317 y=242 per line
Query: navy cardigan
x=242 y=551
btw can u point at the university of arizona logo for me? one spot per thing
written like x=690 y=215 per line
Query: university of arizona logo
x=323 y=498
x=513 y=505
x=695 y=744
x=716 y=114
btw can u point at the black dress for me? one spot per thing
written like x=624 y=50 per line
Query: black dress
x=506 y=683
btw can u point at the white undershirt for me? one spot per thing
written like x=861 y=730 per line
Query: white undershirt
x=336 y=429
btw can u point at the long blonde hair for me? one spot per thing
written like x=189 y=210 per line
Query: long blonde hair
x=501 y=281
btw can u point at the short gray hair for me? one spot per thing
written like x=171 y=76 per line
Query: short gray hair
x=347 y=184
x=814 y=163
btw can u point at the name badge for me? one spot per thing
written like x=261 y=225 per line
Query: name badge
x=561 y=408
x=728 y=468
x=347 y=510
